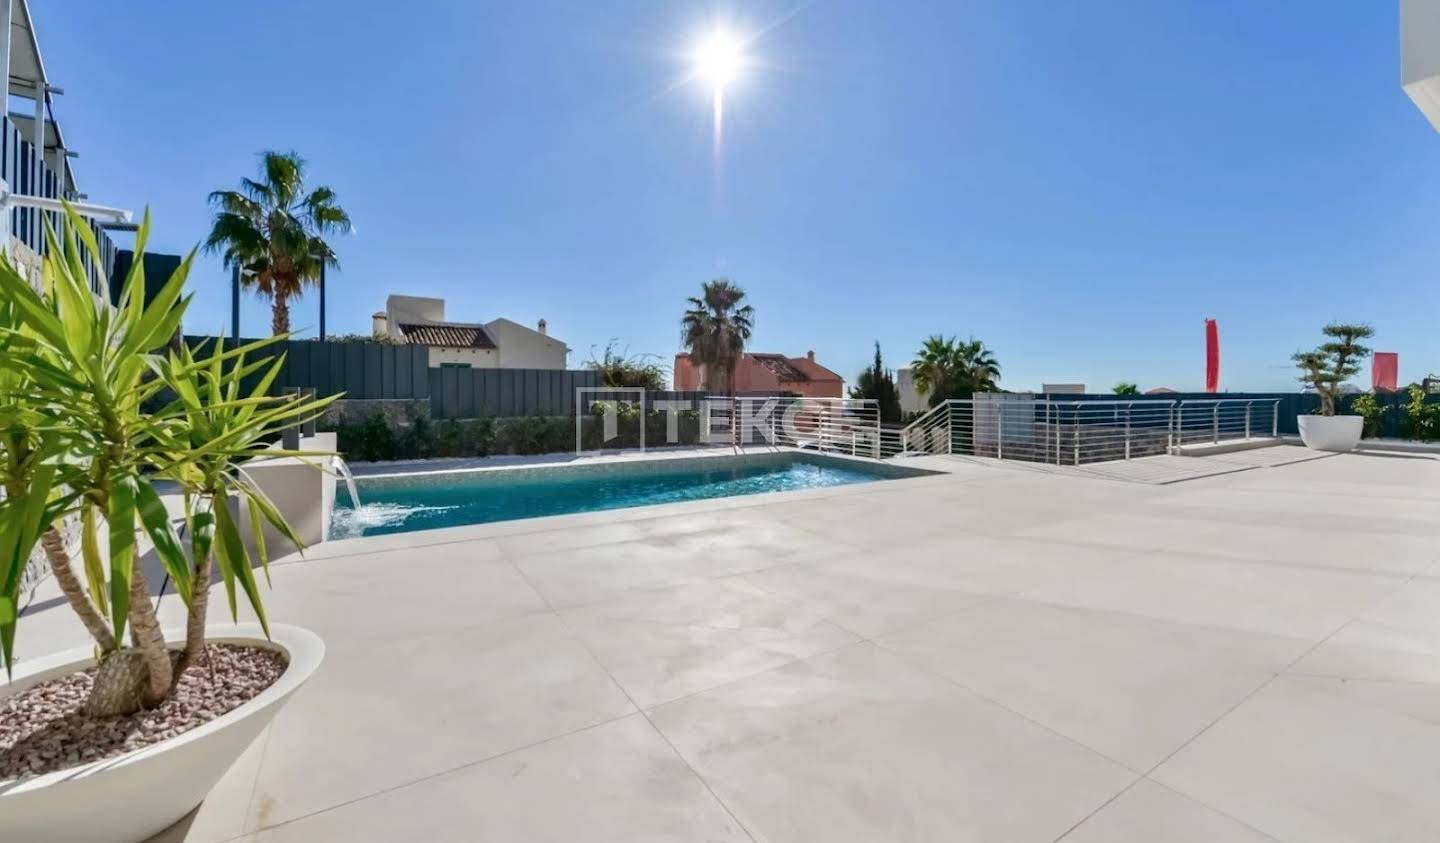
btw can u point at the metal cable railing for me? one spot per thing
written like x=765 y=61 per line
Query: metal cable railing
x=1223 y=419
x=839 y=425
x=1019 y=427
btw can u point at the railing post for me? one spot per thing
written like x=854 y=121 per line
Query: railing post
x=1075 y=434
x=1215 y=423
x=1248 y=406
x=1275 y=420
x=1057 y=431
x=1128 y=409
x=999 y=433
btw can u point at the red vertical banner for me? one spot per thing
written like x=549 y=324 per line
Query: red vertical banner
x=1385 y=371
x=1212 y=356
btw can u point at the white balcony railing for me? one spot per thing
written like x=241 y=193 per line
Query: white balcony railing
x=18 y=168
x=1020 y=427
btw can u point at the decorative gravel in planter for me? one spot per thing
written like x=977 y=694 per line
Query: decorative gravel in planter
x=42 y=728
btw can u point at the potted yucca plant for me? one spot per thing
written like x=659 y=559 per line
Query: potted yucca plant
x=99 y=412
x=1326 y=369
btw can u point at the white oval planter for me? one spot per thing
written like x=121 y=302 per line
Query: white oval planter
x=1331 y=433
x=131 y=797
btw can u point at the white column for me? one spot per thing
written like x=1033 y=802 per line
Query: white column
x=6 y=19
x=37 y=140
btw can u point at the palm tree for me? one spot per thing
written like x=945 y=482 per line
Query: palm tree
x=273 y=232
x=715 y=329
x=979 y=369
x=1126 y=388
x=933 y=367
x=947 y=368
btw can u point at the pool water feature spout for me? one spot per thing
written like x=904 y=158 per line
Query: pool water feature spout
x=344 y=471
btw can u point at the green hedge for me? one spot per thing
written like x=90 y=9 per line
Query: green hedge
x=1418 y=418
x=375 y=440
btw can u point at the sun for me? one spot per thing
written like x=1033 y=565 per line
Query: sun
x=718 y=59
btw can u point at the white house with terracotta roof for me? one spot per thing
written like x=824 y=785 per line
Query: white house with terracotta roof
x=497 y=344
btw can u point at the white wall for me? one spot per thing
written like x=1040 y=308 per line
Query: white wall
x=912 y=400
x=412 y=309
x=524 y=348
x=1420 y=55
x=477 y=358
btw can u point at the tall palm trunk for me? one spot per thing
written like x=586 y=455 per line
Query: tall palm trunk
x=280 y=314
x=75 y=594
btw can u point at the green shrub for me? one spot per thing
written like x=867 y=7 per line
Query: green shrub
x=1367 y=407
x=374 y=440
x=417 y=442
x=536 y=435
x=1422 y=418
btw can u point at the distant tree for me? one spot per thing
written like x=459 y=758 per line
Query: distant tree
x=979 y=367
x=933 y=368
x=1328 y=367
x=878 y=383
x=947 y=368
x=618 y=369
x=1126 y=388
x=715 y=330
x=274 y=231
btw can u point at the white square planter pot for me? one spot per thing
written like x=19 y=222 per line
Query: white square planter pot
x=1331 y=433
x=132 y=797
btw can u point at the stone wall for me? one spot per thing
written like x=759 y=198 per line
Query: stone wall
x=24 y=259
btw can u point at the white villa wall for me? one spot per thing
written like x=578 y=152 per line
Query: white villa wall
x=400 y=309
x=517 y=346
x=912 y=400
x=525 y=348
x=476 y=358
x=1420 y=55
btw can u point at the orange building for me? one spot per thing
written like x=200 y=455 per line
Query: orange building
x=767 y=373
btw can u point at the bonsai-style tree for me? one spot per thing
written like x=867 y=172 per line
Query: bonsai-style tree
x=1328 y=367
x=274 y=231
x=96 y=408
x=1126 y=388
x=878 y=383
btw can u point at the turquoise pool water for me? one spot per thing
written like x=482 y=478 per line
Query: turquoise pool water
x=402 y=503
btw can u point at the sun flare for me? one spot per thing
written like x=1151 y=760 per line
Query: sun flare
x=718 y=59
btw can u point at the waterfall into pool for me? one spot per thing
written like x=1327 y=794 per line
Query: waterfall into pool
x=344 y=471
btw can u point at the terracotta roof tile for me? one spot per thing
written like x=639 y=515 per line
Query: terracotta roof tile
x=780 y=366
x=447 y=334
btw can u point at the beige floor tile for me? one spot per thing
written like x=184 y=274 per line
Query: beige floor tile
x=1303 y=763
x=1152 y=813
x=1131 y=688
x=398 y=710
x=660 y=645
x=618 y=782
x=855 y=746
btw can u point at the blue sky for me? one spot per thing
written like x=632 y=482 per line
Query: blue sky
x=1078 y=184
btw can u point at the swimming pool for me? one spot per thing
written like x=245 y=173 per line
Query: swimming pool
x=401 y=503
